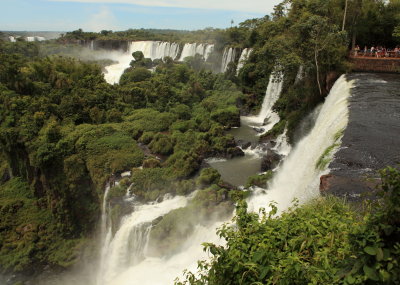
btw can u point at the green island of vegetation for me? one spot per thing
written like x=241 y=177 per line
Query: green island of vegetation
x=65 y=132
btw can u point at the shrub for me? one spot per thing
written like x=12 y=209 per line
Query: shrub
x=208 y=176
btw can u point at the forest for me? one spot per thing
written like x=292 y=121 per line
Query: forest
x=65 y=133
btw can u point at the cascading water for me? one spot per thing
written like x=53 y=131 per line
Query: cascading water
x=243 y=58
x=152 y=50
x=114 y=72
x=195 y=48
x=228 y=57
x=128 y=246
x=299 y=75
x=272 y=94
x=125 y=260
x=237 y=170
x=299 y=177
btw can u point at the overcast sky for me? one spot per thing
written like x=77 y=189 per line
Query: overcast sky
x=96 y=15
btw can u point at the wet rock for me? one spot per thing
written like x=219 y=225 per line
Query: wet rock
x=259 y=130
x=351 y=188
x=246 y=145
x=270 y=161
x=371 y=141
x=234 y=152
x=324 y=182
x=156 y=221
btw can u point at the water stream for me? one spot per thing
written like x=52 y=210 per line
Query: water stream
x=237 y=170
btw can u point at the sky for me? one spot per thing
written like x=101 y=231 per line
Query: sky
x=116 y=15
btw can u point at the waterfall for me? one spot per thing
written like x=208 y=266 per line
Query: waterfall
x=228 y=57
x=12 y=39
x=298 y=177
x=196 y=48
x=152 y=50
x=282 y=146
x=299 y=75
x=208 y=50
x=114 y=72
x=155 y=49
x=267 y=118
x=243 y=58
x=128 y=246
x=125 y=260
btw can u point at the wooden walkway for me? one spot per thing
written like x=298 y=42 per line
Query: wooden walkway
x=375 y=64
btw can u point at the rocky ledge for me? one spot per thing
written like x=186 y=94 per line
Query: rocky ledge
x=371 y=140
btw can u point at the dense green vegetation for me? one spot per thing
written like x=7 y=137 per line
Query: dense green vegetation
x=313 y=34
x=326 y=241
x=65 y=131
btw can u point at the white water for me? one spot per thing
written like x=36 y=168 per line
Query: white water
x=153 y=50
x=12 y=39
x=282 y=146
x=196 y=48
x=114 y=72
x=243 y=58
x=128 y=246
x=125 y=260
x=298 y=176
x=267 y=118
x=35 y=38
x=300 y=74
x=228 y=57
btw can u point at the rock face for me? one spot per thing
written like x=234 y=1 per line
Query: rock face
x=234 y=152
x=270 y=161
x=371 y=140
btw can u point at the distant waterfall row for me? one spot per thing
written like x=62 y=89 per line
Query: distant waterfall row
x=13 y=39
x=159 y=50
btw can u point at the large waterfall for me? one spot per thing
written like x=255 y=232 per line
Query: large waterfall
x=125 y=259
x=299 y=177
x=127 y=247
x=155 y=50
x=152 y=50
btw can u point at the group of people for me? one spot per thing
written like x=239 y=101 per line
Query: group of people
x=378 y=51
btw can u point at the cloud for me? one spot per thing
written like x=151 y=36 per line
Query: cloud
x=104 y=19
x=254 y=6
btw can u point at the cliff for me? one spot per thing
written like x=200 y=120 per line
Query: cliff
x=371 y=140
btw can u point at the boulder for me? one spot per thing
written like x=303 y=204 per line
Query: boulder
x=234 y=152
x=259 y=130
x=270 y=161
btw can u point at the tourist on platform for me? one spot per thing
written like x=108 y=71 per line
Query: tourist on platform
x=356 y=50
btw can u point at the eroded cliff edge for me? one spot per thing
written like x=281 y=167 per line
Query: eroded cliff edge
x=371 y=140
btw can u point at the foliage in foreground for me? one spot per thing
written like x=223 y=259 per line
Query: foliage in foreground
x=323 y=242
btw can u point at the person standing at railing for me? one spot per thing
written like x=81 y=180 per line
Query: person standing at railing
x=356 y=50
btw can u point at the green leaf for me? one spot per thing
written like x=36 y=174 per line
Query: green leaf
x=258 y=256
x=370 y=273
x=379 y=254
x=264 y=272
x=370 y=250
x=350 y=279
